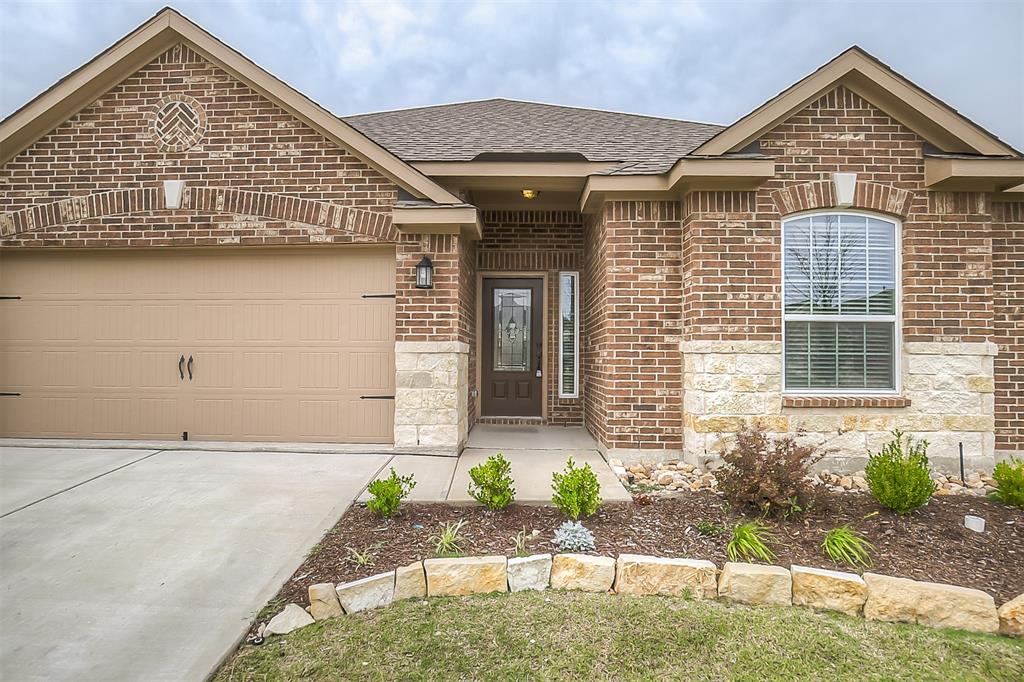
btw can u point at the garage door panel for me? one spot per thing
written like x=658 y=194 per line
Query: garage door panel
x=158 y=369
x=282 y=341
x=212 y=322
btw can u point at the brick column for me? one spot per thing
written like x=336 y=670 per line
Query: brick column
x=432 y=347
x=633 y=276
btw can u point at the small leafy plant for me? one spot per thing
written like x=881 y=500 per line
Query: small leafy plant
x=708 y=528
x=448 y=543
x=491 y=483
x=365 y=557
x=577 y=492
x=844 y=545
x=388 y=493
x=898 y=476
x=1010 y=477
x=519 y=542
x=572 y=536
x=768 y=474
x=748 y=543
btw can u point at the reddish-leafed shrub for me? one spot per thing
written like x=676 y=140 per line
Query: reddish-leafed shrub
x=768 y=474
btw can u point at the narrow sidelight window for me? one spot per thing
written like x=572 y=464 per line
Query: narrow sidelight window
x=841 y=304
x=568 y=335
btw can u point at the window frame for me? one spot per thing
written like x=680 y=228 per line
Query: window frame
x=896 y=319
x=576 y=335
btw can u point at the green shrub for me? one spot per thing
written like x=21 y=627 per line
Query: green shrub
x=1010 y=477
x=748 y=543
x=387 y=493
x=847 y=546
x=709 y=528
x=577 y=492
x=769 y=475
x=448 y=543
x=898 y=476
x=491 y=483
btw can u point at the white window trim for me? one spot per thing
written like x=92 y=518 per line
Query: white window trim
x=896 y=319
x=576 y=335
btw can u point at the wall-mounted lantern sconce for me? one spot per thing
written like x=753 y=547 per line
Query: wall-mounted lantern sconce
x=425 y=274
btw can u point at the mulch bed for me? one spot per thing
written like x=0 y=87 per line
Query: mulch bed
x=931 y=544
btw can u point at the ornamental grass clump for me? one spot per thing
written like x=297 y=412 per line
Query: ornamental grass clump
x=448 y=543
x=572 y=536
x=577 y=492
x=1010 y=477
x=749 y=543
x=898 y=476
x=491 y=483
x=844 y=545
x=386 y=494
x=770 y=475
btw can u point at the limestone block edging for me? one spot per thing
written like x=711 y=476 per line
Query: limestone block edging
x=875 y=596
x=466 y=575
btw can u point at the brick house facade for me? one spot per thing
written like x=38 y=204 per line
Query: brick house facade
x=675 y=264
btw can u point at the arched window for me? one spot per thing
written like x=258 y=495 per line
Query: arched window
x=840 y=303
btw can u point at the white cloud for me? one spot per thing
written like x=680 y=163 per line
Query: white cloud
x=710 y=61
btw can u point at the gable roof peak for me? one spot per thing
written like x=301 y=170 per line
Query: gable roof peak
x=875 y=81
x=150 y=39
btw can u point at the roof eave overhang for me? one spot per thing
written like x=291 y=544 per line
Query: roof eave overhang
x=977 y=175
x=901 y=99
x=460 y=220
x=85 y=85
x=512 y=175
x=686 y=175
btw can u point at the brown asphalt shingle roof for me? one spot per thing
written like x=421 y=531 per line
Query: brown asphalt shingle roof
x=463 y=131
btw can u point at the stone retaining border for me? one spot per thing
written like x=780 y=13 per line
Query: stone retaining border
x=873 y=596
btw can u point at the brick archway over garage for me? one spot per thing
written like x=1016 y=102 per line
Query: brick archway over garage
x=270 y=206
x=870 y=196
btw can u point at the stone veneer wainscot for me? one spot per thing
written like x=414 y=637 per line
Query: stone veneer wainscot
x=431 y=395
x=729 y=384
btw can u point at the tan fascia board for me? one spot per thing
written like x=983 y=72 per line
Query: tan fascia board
x=725 y=173
x=987 y=175
x=686 y=175
x=500 y=175
x=933 y=120
x=72 y=94
x=512 y=169
x=600 y=188
x=464 y=220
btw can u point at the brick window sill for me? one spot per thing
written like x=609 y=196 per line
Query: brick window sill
x=844 y=401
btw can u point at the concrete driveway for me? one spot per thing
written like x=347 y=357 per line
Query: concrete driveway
x=150 y=564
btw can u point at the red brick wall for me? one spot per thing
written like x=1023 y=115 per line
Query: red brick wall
x=538 y=241
x=634 y=255
x=729 y=266
x=436 y=314
x=732 y=240
x=1008 y=266
x=467 y=314
x=595 y=371
x=250 y=144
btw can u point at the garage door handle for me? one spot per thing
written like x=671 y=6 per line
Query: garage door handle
x=181 y=370
x=190 y=368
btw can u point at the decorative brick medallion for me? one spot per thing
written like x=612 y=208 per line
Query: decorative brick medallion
x=179 y=123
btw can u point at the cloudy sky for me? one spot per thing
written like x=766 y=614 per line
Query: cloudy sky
x=706 y=60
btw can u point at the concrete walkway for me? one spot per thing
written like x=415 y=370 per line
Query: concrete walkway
x=535 y=452
x=150 y=565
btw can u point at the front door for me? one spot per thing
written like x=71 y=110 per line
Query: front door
x=513 y=346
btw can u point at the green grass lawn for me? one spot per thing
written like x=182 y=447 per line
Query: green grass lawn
x=565 y=635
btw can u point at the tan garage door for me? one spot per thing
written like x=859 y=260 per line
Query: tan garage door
x=274 y=345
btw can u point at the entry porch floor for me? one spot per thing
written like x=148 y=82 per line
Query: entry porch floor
x=535 y=452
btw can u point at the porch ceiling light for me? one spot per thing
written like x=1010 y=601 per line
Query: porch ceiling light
x=425 y=274
x=529 y=194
